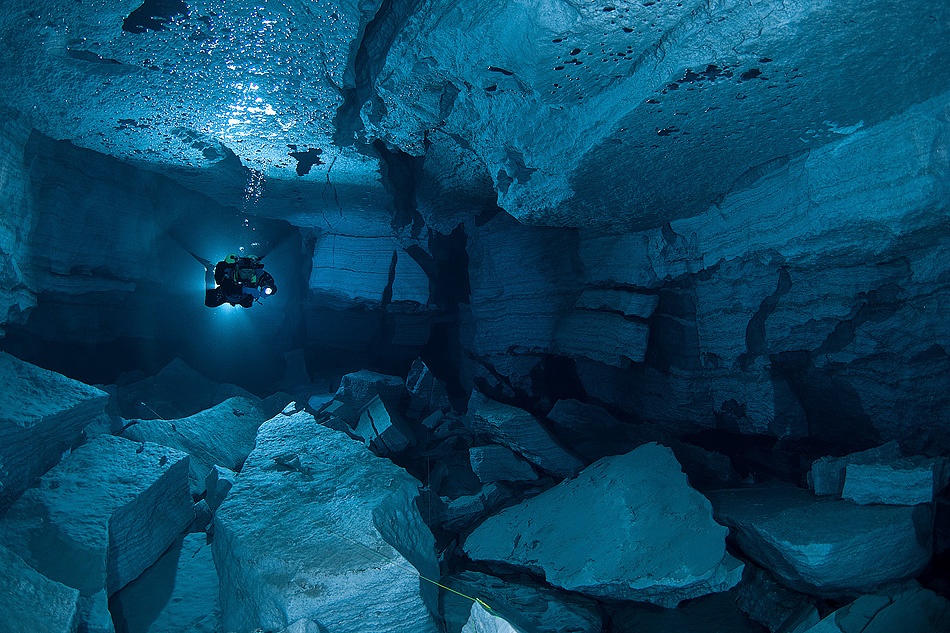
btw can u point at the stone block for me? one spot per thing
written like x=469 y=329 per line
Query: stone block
x=605 y=337
x=104 y=515
x=42 y=415
x=521 y=432
x=358 y=388
x=31 y=602
x=628 y=527
x=823 y=546
x=497 y=463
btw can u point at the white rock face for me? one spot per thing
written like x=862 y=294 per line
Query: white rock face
x=826 y=546
x=912 y=609
x=520 y=431
x=42 y=414
x=31 y=602
x=222 y=435
x=101 y=517
x=483 y=621
x=627 y=527
x=316 y=527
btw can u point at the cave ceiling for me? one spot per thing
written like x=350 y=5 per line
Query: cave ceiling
x=611 y=115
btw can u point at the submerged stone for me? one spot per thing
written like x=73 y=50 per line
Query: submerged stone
x=42 y=415
x=520 y=431
x=104 y=515
x=316 y=527
x=31 y=602
x=824 y=546
x=628 y=527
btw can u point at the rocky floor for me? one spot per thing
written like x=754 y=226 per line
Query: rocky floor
x=380 y=508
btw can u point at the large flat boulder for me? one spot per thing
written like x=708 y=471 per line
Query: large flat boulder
x=628 y=527
x=909 y=609
x=29 y=601
x=220 y=436
x=826 y=546
x=318 y=528
x=521 y=432
x=102 y=516
x=42 y=414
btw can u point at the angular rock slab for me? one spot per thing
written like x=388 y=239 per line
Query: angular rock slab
x=521 y=432
x=102 y=516
x=826 y=546
x=222 y=435
x=42 y=414
x=627 y=527
x=358 y=388
x=32 y=602
x=316 y=527
x=911 y=610
x=498 y=463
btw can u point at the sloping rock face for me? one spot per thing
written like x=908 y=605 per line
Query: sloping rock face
x=101 y=517
x=824 y=546
x=222 y=435
x=32 y=602
x=628 y=527
x=16 y=297
x=482 y=620
x=318 y=528
x=42 y=415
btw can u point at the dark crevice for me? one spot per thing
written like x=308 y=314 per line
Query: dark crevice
x=367 y=62
x=755 y=343
x=153 y=15
x=400 y=175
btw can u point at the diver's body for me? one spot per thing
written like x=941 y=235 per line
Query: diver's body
x=238 y=281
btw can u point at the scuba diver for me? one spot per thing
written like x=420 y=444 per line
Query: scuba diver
x=239 y=281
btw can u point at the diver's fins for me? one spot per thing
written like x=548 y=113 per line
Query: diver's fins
x=204 y=262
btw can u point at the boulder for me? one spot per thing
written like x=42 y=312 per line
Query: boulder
x=426 y=392
x=316 y=527
x=42 y=415
x=628 y=527
x=772 y=605
x=880 y=475
x=605 y=337
x=383 y=429
x=483 y=621
x=222 y=435
x=358 y=388
x=497 y=463
x=458 y=513
x=178 y=594
x=910 y=609
x=521 y=432
x=32 y=602
x=825 y=546
x=102 y=516
x=526 y=607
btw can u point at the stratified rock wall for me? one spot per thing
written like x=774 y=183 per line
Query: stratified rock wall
x=16 y=220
